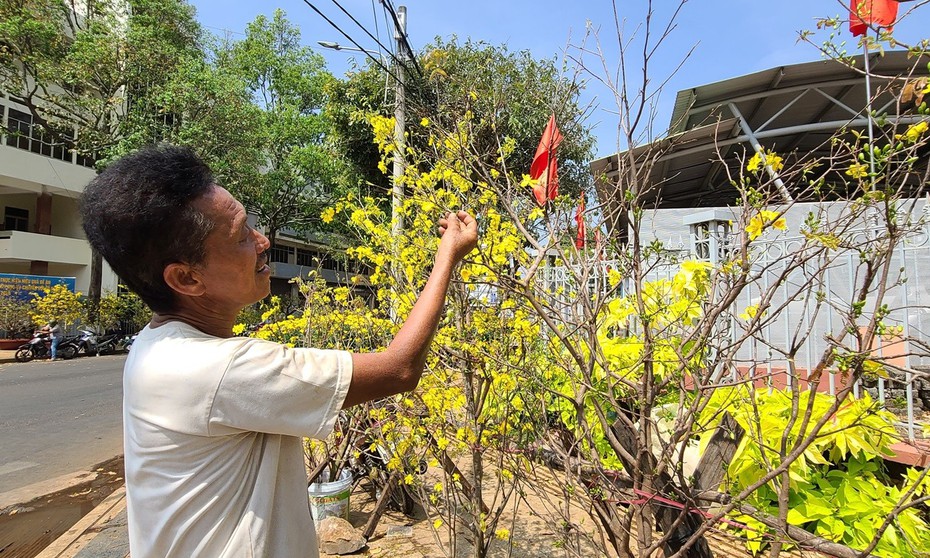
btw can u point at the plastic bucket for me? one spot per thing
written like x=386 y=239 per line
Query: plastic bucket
x=330 y=499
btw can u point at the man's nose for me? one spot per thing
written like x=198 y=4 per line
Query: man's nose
x=263 y=242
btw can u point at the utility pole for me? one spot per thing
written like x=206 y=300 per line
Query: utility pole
x=400 y=145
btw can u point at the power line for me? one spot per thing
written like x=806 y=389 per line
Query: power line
x=346 y=35
x=403 y=35
x=362 y=27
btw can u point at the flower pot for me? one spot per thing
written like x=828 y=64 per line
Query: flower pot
x=330 y=499
x=11 y=344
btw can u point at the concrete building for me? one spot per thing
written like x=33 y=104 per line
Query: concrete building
x=40 y=182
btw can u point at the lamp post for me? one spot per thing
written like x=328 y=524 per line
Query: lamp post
x=397 y=186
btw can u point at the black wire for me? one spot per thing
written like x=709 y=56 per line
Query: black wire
x=403 y=35
x=362 y=27
x=358 y=46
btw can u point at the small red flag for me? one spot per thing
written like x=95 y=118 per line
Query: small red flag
x=544 y=169
x=579 y=220
x=876 y=13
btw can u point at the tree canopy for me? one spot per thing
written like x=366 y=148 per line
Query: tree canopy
x=505 y=94
x=299 y=174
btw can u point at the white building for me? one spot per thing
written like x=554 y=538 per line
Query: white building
x=40 y=183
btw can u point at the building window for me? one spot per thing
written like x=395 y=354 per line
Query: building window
x=24 y=134
x=306 y=257
x=16 y=219
x=279 y=254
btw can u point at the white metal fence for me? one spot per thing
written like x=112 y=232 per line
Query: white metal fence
x=808 y=305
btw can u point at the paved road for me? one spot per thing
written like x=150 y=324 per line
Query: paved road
x=58 y=418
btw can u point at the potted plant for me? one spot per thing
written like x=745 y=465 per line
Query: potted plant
x=15 y=322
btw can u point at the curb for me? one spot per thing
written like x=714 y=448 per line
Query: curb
x=26 y=494
x=84 y=531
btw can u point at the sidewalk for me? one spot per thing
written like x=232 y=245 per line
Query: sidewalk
x=102 y=533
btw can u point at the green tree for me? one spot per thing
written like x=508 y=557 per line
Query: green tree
x=87 y=72
x=506 y=96
x=15 y=320
x=82 y=70
x=122 y=310
x=298 y=174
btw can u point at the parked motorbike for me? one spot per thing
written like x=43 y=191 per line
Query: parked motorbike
x=110 y=344
x=40 y=346
x=68 y=347
x=87 y=342
x=130 y=341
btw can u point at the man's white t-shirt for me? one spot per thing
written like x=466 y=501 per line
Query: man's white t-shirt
x=213 y=442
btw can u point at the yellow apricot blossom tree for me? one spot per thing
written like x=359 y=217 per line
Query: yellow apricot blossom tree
x=592 y=376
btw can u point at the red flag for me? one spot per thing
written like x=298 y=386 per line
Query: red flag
x=544 y=169
x=876 y=13
x=579 y=220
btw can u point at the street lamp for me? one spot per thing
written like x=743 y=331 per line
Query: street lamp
x=336 y=46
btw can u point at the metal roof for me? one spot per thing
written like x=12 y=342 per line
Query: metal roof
x=792 y=109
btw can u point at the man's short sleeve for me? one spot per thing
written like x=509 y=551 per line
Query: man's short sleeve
x=268 y=387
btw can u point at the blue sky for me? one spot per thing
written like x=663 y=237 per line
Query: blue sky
x=729 y=37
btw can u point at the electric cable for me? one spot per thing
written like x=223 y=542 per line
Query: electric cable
x=346 y=35
x=362 y=27
x=403 y=36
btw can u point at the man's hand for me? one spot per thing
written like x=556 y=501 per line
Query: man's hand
x=459 y=232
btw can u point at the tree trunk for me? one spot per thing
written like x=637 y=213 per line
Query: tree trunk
x=96 y=279
x=677 y=525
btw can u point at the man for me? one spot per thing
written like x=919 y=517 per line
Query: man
x=213 y=423
x=54 y=334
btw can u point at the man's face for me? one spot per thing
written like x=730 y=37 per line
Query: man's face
x=234 y=271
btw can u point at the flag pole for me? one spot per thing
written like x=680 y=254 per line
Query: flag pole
x=868 y=106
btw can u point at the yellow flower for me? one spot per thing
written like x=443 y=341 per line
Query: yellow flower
x=424 y=122
x=764 y=219
x=502 y=534
x=408 y=479
x=238 y=329
x=857 y=170
x=760 y=159
x=913 y=132
x=437 y=524
x=328 y=214
x=750 y=312
x=754 y=228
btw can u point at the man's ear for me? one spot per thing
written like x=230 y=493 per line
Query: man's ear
x=183 y=279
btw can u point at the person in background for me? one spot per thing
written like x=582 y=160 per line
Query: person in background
x=54 y=334
x=213 y=423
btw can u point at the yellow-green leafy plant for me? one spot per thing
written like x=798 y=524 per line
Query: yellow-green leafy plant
x=57 y=303
x=838 y=488
x=124 y=310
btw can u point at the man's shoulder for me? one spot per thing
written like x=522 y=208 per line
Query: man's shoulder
x=188 y=345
